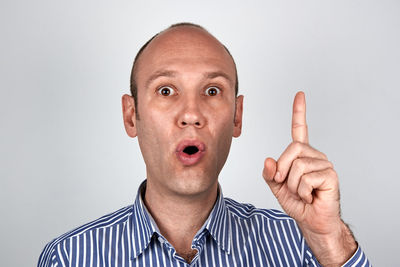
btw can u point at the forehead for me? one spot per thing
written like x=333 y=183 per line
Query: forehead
x=184 y=48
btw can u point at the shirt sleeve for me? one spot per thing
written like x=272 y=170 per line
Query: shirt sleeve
x=52 y=256
x=357 y=260
x=47 y=259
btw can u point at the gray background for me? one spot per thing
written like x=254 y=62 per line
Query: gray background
x=65 y=156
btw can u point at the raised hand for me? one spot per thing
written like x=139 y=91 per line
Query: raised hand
x=306 y=186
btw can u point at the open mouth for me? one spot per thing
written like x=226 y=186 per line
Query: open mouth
x=190 y=150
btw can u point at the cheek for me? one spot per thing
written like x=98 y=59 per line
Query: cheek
x=147 y=134
x=155 y=131
x=222 y=134
x=149 y=129
x=221 y=125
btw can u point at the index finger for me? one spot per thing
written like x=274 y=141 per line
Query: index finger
x=299 y=125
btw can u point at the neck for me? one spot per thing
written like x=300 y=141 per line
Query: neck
x=179 y=217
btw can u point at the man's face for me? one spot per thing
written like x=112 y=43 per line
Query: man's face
x=188 y=110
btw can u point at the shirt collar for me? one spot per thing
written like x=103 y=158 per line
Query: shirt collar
x=219 y=223
x=144 y=227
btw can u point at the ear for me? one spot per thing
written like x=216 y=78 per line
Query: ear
x=129 y=115
x=237 y=130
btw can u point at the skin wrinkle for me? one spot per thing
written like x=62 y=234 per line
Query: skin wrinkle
x=158 y=74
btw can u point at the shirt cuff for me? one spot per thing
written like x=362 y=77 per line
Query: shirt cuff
x=358 y=259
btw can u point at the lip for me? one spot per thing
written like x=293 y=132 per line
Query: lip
x=186 y=159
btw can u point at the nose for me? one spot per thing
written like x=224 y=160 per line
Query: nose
x=191 y=115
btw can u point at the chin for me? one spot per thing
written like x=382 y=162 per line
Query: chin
x=191 y=183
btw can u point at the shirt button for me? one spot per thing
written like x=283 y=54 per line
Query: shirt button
x=161 y=240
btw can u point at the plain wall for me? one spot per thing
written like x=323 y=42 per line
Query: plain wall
x=66 y=159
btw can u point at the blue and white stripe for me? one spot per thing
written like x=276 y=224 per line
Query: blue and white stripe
x=235 y=234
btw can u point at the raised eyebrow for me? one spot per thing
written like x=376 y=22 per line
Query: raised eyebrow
x=158 y=74
x=215 y=74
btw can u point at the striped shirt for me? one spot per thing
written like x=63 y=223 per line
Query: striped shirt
x=234 y=234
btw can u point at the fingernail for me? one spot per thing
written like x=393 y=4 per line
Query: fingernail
x=277 y=176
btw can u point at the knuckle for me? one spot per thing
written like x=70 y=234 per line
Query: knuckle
x=309 y=161
x=331 y=173
x=299 y=164
x=306 y=179
x=303 y=193
x=330 y=165
x=297 y=146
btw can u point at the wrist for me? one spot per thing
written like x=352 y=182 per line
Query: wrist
x=333 y=248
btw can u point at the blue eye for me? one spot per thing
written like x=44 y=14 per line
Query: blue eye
x=212 y=91
x=166 y=91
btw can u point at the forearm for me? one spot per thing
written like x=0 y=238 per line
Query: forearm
x=332 y=249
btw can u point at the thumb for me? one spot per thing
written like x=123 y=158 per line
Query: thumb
x=269 y=169
x=269 y=172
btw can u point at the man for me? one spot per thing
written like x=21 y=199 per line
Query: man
x=184 y=110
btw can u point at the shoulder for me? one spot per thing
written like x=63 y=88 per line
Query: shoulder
x=248 y=211
x=49 y=255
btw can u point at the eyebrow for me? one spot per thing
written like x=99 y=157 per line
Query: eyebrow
x=215 y=74
x=171 y=73
x=158 y=74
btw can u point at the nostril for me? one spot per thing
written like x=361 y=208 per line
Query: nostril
x=186 y=123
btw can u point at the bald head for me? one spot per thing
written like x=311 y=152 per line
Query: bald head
x=179 y=39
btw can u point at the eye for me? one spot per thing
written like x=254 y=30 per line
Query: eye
x=166 y=91
x=212 y=91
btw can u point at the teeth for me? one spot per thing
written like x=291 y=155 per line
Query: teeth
x=190 y=150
